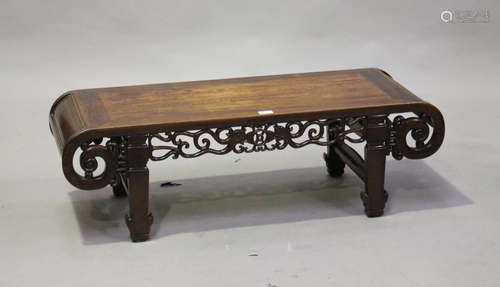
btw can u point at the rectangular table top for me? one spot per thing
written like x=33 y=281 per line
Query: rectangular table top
x=239 y=98
x=228 y=102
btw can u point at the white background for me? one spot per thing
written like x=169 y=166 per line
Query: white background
x=442 y=224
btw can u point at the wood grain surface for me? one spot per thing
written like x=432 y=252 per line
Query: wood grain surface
x=228 y=102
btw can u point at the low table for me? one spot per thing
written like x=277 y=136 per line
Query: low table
x=128 y=126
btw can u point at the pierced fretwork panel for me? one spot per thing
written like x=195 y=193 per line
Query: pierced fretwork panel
x=254 y=138
x=426 y=130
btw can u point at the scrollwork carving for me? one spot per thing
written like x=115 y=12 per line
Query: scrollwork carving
x=427 y=130
x=277 y=136
x=254 y=138
x=111 y=153
x=426 y=143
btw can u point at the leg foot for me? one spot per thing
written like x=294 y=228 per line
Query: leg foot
x=139 y=219
x=334 y=164
x=136 y=235
x=373 y=212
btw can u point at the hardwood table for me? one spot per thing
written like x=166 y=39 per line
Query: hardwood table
x=128 y=126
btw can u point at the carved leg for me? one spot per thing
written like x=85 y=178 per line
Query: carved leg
x=334 y=163
x=139 y=219
x=117 y=148
x=374 y=196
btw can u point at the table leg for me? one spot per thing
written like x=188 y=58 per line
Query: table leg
x=334 y=163
x=374 y=196
x=119 y=185
x=139 y=219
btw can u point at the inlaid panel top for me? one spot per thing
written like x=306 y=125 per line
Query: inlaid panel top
x=238 y=98
x=212 y=103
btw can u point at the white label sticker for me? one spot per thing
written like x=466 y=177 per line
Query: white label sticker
x=269 y=112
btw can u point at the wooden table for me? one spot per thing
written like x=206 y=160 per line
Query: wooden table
x=128 y=126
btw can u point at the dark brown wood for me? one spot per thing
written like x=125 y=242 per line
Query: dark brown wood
x=119 y=190
x=190 y=119
x=251 y=138
x=120 y=183
x=334 y=163
x=376 y=149
x=139 y=219
x=350 y=157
